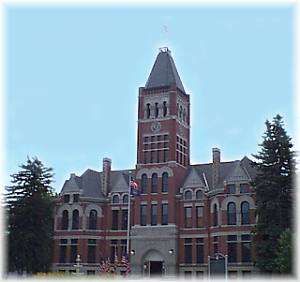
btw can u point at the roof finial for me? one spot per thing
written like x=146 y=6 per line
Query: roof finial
x=164 y=49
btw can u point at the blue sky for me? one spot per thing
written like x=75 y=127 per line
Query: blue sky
x=73 y=76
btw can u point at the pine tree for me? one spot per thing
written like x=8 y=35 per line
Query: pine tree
x=284 y=262
x=29 y=205
x=274 y=193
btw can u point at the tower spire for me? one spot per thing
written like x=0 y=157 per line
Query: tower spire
x=164 y=72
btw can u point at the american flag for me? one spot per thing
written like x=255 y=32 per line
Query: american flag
x=105 y=266
x=134 y=188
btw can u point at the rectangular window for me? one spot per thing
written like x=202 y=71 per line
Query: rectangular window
x=113 y=249
x=215 y=244
x=232 y=248
x=115 y=219
x=244 y=188
x=164 y=214
x=154 y=214
x=166 y=137
x=143 y=215
x=90 y=272
x=146 y=139
x=231 y=189
x=188 y=250
x=246 y=248
x=199 y=215
x=123 y=247
x=91 y=251
x=152 y=157
x=188 y=217
x=199 y=250
x=152 y=138
x=75 y=198
x=66 y=198
x=63 y=251
x=157 y=156
x=73 y=256
x=124 y=219
x=166 y=155
x=188 y=273
x=146 y=157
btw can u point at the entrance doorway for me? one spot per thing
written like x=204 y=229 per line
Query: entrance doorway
x=156 y=268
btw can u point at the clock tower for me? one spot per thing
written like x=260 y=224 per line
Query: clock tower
x=163 y=117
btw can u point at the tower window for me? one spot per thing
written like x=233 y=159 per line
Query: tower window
x=156 y=110
x=164 y=214
x=184 y=115
x=143 y=214
x=154 y=214
x=165 y=180
x=188 y=250
x=188 y=217
x=165 y=155
x=154 y=183
x=115 y=219
x=148 y=110
x=188 y=195
x=144 y=182
x=165 y=108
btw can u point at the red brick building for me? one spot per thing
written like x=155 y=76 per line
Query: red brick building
x=185 y=213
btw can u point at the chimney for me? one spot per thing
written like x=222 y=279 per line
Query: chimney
x=216 y=154
x=106 y=175
x=72 y=175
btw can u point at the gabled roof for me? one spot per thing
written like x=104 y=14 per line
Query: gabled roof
x=119 y=181
x=193 y=179
x=164 y=72
x=237 y=173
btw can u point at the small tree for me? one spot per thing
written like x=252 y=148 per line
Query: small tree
x=29 y=204
x=274 y=188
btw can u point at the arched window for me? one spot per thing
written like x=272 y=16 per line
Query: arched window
x=180 y=112
x=144 y=183
x=115 y=199
x=231 y=213
x=125 y=199
x=215 y=215
x=188 y=195
x=75 y=219
x=148 y=110
x=165 y=180
x=184 y=114
x=156 y=109
x=245 y=212
x=65 y=220
x=199 y=195
x=93 y=220
x=165 y=108
x=154 y=183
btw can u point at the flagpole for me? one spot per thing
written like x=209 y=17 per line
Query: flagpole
x=128 y=214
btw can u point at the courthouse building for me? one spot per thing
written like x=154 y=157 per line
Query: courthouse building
x=185 y=212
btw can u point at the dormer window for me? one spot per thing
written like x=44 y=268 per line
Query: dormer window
x=231 y=189
x=75 y=198
x=188 y=195
x=66 y=198
x=115 y=199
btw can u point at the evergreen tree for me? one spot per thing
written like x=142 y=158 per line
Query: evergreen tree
x=284 y=254
x=29 y=205
x=274 y=193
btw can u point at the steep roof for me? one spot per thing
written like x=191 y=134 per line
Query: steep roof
x=164 y=72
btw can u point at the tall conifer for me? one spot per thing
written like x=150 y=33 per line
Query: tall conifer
x=29 y=205
x=274 y=193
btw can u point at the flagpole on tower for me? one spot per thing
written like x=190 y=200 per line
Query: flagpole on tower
x=128 y=214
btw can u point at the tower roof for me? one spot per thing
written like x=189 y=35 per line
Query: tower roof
x=164 y=72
